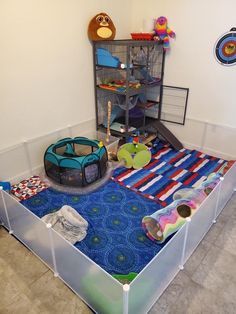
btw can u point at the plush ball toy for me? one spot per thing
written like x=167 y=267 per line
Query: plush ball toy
x=163 y=31
x=101 y=27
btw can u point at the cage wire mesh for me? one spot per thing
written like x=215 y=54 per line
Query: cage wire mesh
x=119 y=51
x=150 y=60
x=174 y=104
x=146 y=68
x=102 y=102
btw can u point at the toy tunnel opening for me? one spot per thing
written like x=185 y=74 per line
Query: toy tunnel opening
x=152 y=228
x=208 y=190
x=184 y=210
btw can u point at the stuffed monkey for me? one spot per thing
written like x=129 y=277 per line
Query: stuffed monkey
x=163 y=31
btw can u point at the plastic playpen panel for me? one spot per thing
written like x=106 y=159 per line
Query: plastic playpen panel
x=29 y=229
x=157 y=275
x=3 y=213
x=96 y=287
x=226 y=189
x=200 y=222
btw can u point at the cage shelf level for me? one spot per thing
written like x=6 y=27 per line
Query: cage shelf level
x=129 y=74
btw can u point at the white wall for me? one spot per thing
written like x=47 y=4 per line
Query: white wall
x=191 y=63
x=198 y=24
x=46 y=71
x=46 y=76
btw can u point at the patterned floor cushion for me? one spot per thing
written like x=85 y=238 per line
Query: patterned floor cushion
x=28 y=188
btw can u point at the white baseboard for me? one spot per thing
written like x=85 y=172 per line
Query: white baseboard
x=210 y=138
x=209 y=151
x=26 y=158
x=26 y=174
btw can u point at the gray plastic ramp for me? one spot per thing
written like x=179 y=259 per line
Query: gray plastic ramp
x=167 y=135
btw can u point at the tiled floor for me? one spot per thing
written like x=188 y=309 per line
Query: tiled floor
x=206 y=285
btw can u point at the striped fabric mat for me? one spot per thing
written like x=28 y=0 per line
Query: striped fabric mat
x=168 y=171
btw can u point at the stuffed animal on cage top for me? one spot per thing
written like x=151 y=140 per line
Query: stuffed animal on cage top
x=101 y=27
x=163 y=31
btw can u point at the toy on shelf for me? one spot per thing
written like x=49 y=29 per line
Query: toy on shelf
x=119 y=85
x=142 y=36
x=141 y=57
x=119 y=127
x=118 y=110
x=6 y=186
x=161 y=224
x=101 y=27
x=105 y=58
x=134 y=154
x=163 y=32
x=132 y=101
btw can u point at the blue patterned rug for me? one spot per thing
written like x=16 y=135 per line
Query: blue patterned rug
x=115 y=238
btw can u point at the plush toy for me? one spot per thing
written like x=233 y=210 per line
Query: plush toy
x=101 y=27
x=163 y=31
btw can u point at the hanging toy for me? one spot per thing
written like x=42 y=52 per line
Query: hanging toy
x=108 y=121
x=163 y=31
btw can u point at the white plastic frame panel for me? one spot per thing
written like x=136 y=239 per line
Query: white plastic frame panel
x=201 y=222
x=29 y=229
x=227 y=188
x=98 y=289
x=3 y=218
x=157 y=275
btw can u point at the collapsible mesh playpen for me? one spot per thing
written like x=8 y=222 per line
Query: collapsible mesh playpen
x=76 y=162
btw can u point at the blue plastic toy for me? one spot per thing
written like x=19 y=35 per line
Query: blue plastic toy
x=105 y=58
x=6 y=186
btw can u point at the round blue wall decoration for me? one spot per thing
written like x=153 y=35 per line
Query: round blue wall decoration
x=225 y=48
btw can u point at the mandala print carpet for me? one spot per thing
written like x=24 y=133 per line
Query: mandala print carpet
x=115 y=238
x=168 y=171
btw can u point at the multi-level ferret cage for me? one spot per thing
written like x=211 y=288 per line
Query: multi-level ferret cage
x=129 y=74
